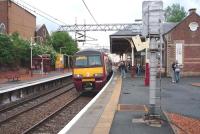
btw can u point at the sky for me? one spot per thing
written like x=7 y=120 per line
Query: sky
x=104 y=11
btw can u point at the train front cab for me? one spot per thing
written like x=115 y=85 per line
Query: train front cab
x=87 y=80
x=89 y=73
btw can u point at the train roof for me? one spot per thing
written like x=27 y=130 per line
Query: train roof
x=88 y=52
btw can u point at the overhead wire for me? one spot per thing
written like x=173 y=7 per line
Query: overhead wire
x=43 y=12
x=89 y=12
x=34 y=11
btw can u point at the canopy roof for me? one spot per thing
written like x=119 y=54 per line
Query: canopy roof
x=119 y=41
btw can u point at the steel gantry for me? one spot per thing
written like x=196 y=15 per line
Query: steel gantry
x=135 y=27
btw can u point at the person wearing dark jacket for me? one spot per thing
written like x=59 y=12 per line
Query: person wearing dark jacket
x=173 y=72
x=122 y=69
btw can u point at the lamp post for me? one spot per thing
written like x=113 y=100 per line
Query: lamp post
x=61 y=49
x=32 y=50
x=31 y=54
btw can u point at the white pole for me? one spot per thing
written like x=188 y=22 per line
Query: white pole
x=68 y=62
x=161 y=45
x=42 y=66
x=132 y=55
x=31 y=54
x=153 y=72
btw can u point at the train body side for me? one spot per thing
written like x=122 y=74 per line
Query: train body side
x=91 y=78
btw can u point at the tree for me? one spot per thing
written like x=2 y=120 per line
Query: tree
x=175 y=13
x=22 y=50
x=7 y=51
x=62 y=40
x=45 y=49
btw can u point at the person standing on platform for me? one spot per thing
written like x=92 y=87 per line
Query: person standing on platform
x=122 y=69
x=177 y=71
x=173 y=72
x=138 y=69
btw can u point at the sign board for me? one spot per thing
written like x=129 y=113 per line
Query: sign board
x=152 y=16
x=139 y=45
x=59 y=61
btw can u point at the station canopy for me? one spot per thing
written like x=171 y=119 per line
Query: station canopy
x=119 y=41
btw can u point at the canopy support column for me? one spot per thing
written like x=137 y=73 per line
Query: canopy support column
x=132 y=55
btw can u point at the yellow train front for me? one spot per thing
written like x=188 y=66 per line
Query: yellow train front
x=91 y=69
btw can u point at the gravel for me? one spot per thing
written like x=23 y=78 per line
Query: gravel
x=26 y=120
x=186 y=125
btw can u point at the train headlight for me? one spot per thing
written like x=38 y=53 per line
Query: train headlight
x=98 y=75
x=77 y=76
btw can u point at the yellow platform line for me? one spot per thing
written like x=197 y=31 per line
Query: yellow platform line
x=104 y=124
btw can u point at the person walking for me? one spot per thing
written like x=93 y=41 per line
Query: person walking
x=122 y=69
x=177 y=72
x=138 y=69
x=173 y=72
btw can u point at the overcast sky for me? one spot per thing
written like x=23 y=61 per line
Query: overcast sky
x=104 y=11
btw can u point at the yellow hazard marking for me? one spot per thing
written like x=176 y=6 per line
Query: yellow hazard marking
x=88 y=72
x=84 y=80
x=104 y=124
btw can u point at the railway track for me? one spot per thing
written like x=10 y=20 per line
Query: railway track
x=12 y=111
x=48 y=112
x=57 y=120
x=13 y=105
x=20 y=118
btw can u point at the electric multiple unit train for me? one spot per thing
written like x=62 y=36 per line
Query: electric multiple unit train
x=91 y=69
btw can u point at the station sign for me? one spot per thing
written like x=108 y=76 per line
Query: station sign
x=152 y=16
x=59 y=61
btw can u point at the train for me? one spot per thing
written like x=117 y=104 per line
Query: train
x=91 y=70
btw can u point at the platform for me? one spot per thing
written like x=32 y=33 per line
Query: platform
x=119 y=110
x=14 y=85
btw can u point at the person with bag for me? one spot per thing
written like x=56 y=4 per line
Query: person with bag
x=177 y=72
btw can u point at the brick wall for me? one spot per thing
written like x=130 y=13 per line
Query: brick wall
x=4 y=13
x=192 y=59
x=191 y=46
x=170 y=58
x=21 y=21
x=183 y=32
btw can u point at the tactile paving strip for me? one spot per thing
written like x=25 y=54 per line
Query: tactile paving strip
x=132 y=108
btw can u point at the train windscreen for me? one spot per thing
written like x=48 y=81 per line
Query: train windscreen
x=88 y=61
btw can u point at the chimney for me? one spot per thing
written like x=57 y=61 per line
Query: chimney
x=192 y=10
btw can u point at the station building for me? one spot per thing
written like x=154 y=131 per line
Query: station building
x=17 y=19
x=181 y=42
